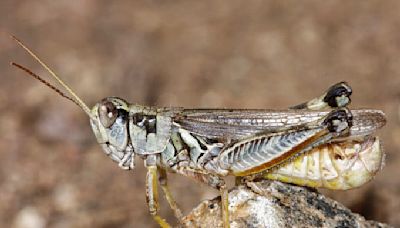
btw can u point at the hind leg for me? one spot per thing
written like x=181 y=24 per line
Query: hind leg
x=338 y=95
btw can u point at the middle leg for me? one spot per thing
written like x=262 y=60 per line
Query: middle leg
x=215 y=182
x=164 y=186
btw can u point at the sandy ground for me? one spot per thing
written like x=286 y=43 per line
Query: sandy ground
x=238 y=54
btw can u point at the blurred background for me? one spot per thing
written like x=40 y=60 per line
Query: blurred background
x=236 y=54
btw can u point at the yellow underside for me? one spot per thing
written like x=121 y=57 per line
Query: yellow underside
x=339 y=166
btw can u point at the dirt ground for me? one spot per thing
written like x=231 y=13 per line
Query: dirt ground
x=237 y=54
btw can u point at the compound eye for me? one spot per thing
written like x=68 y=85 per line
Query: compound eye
x=107 y=113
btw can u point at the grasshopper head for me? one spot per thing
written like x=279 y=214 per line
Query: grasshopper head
x=110 y=125
x=108 y=118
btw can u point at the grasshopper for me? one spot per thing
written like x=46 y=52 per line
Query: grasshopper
x=319 y=143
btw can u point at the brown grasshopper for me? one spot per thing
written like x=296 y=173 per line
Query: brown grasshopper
x=319 y=143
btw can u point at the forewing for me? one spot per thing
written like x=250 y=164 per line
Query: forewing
x=238 y=124
x=235 y=124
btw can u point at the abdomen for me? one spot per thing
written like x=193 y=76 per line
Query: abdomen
x=338 y=166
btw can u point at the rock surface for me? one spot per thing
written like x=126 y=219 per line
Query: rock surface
x=276 y=204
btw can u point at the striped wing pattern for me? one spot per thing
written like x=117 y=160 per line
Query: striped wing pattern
x=263 y=152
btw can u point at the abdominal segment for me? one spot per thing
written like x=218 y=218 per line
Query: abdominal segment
x=338 y=166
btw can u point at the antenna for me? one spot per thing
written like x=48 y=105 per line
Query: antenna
x=76 y=99
x=43 y=81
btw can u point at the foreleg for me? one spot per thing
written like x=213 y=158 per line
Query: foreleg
x=152 y=192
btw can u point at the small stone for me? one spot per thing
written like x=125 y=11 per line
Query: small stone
x=29 y=217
